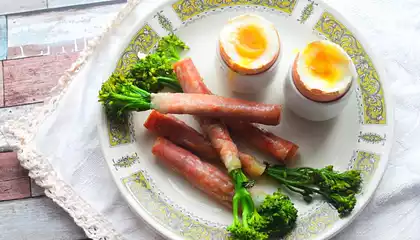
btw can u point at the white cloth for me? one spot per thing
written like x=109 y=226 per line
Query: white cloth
x=69 y=138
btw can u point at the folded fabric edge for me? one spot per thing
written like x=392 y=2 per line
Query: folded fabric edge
x=19 y=135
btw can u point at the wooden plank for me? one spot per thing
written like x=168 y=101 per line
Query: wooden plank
x=15 y=189
x=36 y=219
x=68 y=3
x=1 y=85
x=29 y=80
x=10 y=167
x=3 y=37
x=34 y=50
x=59 y=26
x=19 y=6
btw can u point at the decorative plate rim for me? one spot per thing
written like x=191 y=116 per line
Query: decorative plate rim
x=390 y=120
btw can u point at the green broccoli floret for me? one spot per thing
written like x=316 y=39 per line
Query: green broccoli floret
x=280 y=214
x=241 y=232
x=119 y=96
x=155 y=71
x=344 y=203
x=171 y=47
x=338 y=188
x=263 y=216
x=329 y=180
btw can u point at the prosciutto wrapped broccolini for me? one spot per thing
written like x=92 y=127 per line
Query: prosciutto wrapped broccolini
x=202 y=175
x=120 y=95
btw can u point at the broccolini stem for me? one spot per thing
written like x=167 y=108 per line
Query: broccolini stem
x=295 y=184
x=119 y=97
x=305 y=191
x=171 y=83
x=235 y=209
x=242 y=196
x=134 y=91
x=339 y=189
x=174 y=59
x=278 y=171
x=298 y=187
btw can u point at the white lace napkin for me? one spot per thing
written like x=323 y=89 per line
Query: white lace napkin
x=73 y=171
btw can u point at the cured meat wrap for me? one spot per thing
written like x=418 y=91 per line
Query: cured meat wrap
x=202 y=175
x=178 y=132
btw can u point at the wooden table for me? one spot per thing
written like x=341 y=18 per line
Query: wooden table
x=35 y=49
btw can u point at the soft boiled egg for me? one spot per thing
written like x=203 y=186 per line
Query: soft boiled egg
x=323 y=71
x=249 y=44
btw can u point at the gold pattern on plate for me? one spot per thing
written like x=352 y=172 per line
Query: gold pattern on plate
x=374 y=111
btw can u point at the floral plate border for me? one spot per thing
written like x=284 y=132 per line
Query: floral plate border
x=370 y=95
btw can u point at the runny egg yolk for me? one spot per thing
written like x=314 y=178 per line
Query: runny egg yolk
x=325 y=61
x=251 y=42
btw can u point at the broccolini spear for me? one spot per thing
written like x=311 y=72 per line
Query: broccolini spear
x=246 y=220
x=120 y=96
x=337 y=188
x=155 y=71
x=271 y=215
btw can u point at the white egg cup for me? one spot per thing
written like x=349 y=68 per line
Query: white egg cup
x=309 y=109
x=248 y=84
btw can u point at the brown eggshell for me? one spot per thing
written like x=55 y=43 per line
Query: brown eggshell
x=243 y=70
x=317 y=95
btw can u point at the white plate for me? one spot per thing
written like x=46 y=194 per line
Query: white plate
x=359 y=138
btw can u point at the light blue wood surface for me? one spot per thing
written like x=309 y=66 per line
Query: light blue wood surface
x=19 y=6
x=3 y=38
x=37 y=219
x=59 y=26
x=67 y=3
x=23 y=6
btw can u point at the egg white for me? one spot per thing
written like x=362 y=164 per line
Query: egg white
x=228 y=40
x=315 y=82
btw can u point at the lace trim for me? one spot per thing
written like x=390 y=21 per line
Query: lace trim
x=19 y=135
